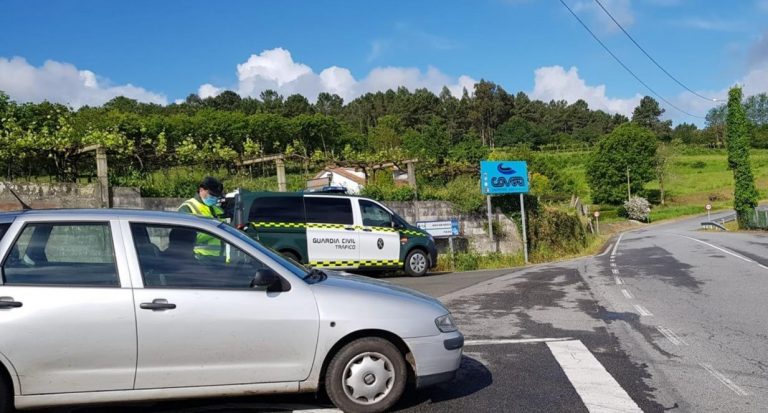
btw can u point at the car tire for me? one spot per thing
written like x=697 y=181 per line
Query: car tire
x=6 y=396
x=367 y=375
x=291 y=256
x=416 y=263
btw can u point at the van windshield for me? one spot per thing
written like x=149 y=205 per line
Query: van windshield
x=297 y=269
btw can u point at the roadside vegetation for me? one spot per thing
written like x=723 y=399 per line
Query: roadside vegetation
x=574 y=153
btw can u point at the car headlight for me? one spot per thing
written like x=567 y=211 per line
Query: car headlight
x=445 y=324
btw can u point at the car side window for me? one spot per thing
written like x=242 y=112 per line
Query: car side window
x=278 y=209
x=171 y=257
x=329 y=210
x=3 y=228
x=374 y=215
x=68 y=254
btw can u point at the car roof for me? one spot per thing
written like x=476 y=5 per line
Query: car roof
x=105 y=213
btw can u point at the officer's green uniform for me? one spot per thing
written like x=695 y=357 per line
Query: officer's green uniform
x=206 y=246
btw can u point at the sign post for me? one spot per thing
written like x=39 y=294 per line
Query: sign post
x=708 y=207
x=505 y=177
x=597 y=222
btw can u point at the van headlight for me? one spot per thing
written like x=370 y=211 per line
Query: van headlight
x=445 y=324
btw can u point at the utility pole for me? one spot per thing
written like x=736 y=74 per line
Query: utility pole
x=629 y=192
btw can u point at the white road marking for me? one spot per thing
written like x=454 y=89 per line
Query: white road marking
x=616 y=246
x=597 y=388
x=626 y=293
x=618 y=280
x=513 y=341
x=671 y=336
x=613 y=264
x=721 y=249
x=643 y=311
x=606 y=250
x=615 y=271
x=725 y=380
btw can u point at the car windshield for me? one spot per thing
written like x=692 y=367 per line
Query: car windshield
x=297 y=269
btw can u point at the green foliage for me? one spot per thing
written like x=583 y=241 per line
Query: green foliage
x=745 y=194
x=555 y=230
x=628 y=147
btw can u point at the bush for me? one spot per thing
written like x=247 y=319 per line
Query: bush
x=637 y=208
x=555 y=230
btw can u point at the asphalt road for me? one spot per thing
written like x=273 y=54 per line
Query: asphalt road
x=671 y=318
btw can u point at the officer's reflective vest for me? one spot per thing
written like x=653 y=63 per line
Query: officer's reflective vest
x=206 y=246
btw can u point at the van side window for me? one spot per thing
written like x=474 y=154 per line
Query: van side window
x=374 y=215
x=329 y=210
x=277 y=209
x=70 y=254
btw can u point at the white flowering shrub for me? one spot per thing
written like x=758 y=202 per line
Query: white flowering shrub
x=637 y=208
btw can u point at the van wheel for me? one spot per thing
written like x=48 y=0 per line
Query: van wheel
x=367 y=375
x=416 y=263
x=291 y=256
x=6 y=396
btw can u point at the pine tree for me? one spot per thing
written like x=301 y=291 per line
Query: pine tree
x=737 y=142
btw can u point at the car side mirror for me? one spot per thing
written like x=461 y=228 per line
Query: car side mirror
x=265 y=278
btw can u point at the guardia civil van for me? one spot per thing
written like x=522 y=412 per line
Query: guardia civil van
x=335 y=231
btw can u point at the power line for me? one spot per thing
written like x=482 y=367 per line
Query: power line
x=625 y=66
x=652 y=59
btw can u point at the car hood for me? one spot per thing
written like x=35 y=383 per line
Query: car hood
x=370 y=285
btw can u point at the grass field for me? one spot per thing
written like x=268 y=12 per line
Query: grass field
x=696 y=177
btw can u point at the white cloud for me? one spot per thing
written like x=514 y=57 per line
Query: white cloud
x=620 y=9
x=275 y=69
x=713 y=24
x=208 y=91
x=64 y=83
x=555 y=83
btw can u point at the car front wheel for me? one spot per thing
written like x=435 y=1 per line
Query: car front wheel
x=367 y=375
x=416 y=263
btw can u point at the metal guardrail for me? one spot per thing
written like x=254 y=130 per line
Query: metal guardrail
x=713 y=225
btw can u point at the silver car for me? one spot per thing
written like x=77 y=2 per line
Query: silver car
x=104 y=306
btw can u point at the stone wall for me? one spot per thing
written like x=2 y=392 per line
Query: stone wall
x=472 y=227
x=43 y=196
x=130 y=198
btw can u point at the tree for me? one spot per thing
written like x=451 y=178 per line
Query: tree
x=272 y=102
x=648 y=115
x=296 y=105
x=329 y=104
x=628 y=148
x=737 y=143
x=665 y=155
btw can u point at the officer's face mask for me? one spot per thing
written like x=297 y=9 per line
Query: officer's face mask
x=210 y=200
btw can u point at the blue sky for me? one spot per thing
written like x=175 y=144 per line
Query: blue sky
x=85 y=52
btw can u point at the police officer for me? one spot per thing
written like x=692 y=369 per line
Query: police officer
x=206 y=204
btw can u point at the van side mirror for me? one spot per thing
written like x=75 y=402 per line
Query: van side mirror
x=264 y=278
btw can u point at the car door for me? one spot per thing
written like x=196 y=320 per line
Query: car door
x=379 y=241
x=66 y=308
x=332 y=240
x=201 y=324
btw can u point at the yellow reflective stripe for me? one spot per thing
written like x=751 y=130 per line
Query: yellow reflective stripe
x=278 y=225
x=413 y=233
x=355 y=263
x=328 y=226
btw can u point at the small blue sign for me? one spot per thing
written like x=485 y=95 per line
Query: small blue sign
x=503 y=177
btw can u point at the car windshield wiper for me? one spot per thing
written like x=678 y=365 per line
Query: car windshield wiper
x=315 y=275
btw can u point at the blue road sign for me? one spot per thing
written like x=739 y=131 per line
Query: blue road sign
x=503 y=177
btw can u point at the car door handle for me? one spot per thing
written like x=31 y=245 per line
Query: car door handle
x=158 y=304
x=367 y=229
x=350 y=228
x=7 y=302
